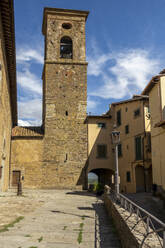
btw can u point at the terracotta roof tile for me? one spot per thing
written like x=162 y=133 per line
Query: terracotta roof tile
x=27 y=131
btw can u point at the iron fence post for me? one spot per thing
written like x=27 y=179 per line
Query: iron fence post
x=147 y=225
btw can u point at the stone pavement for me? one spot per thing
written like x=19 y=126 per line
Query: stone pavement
x=57 y=219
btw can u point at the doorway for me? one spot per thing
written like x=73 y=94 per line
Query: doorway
x=140 y=180
x=16 y=177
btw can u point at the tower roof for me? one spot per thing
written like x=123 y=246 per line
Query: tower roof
x=62 y=12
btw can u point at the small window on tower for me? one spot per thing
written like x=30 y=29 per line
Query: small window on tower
x=67 y=25
x=128 y=176
x=66 y=48
x=66 y=113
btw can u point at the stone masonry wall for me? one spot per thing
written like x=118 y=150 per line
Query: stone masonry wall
x=65 y=100
x=5 y=116
x=65 y=140
x=58 y=159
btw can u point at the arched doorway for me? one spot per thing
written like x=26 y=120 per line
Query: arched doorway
x=92 y=178
x=103 y=176
x=140 y=178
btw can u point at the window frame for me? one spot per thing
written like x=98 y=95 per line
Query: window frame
x=127 y=129
x=118 y=123
x=128 y=176
x=137 y=157
x=120 y=154
x=135 y=114
x=64 y=44
x=101 y=126
x=98 y=156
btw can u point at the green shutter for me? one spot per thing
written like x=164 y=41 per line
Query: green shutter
x=118 y=117
x=138 y=147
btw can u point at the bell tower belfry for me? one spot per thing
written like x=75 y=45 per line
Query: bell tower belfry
x=64 y=98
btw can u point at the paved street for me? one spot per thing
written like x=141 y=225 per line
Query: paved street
x=57 y=219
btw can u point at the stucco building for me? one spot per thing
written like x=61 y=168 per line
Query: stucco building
x=156 y=91
x=8 y=92
x=100 y=157
x=131 y=118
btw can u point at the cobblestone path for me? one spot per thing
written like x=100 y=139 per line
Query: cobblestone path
x=64 y=220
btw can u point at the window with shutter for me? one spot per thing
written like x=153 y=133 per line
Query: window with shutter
x=101 y=151
x=119 y=150
x=127 y=129
x=128 y=176
x=118 y=117
x=1 y=172
x=138 y=148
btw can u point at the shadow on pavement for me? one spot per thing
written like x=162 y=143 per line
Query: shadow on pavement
x=105 y=232
x=61 y=212
x=83 y=193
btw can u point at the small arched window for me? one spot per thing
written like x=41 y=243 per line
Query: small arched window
x=66 y=48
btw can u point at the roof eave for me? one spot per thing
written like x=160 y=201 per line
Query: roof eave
x=7 y=14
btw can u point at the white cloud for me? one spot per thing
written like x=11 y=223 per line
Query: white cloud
x=29 y=81
x=91 y=104
x=26 y=54
x=29 y=84
x=129 y=73
x=30 y=112
x=96 y=66
x=23 y=123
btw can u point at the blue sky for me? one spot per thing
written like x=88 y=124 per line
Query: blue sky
x=125 y=48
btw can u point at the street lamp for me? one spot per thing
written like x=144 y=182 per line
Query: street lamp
x=116 y=141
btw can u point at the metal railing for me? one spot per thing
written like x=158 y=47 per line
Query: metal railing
x=151 y=224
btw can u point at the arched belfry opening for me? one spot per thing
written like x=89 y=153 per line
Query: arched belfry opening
x=66 y=48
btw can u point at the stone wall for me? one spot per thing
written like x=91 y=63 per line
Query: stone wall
x=65 y=100
x=5 y=116
x=58 y=159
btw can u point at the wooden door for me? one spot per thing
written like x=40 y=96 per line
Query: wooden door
x=140 y=183
x=16 y=178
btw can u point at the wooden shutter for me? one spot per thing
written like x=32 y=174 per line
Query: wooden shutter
x=118 y=117
x=138 y=148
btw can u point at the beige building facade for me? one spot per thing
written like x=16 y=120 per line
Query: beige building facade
x=132 y=120
x=100 y=157
x=156 y=91
x=8 y=96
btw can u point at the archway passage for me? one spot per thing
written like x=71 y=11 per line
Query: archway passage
x=92 y=178
x=104 y=176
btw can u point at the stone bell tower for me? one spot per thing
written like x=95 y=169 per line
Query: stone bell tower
x=64 y=98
